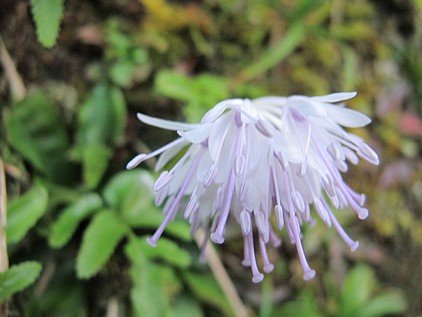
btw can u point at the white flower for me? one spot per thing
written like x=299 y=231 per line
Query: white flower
x=257 y=159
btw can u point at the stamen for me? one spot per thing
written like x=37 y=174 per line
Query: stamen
x=321 y=211
x=353 y=245
x=217 y=235
x=256 y=275
x=247 y=258
x=365 y=152
x=275 y=240
x=308 y=272
x=162 y=180
x=298 y=201
x=210 y=176
x=245 y=222
x=351 y=156
x=268 y=266
x=175 y=204
x=243 y=191
x=279 y=216
x=262 y=225
x=265 y=128
x=192 y=206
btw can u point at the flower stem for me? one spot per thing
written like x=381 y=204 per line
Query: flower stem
x=4 y=260
x=221 y=275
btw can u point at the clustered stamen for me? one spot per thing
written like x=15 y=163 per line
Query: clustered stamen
x=257 y=159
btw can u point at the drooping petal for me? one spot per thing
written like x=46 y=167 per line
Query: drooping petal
x=165 y=124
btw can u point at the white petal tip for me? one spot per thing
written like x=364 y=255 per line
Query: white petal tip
x=309 y=275
x=354 y=246
x=258 y=278
x=136 y=161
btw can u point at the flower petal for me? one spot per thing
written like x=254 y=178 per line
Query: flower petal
x=165 y=124
x=336 y=97
x=347 y=117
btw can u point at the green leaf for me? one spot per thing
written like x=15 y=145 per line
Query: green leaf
x=35 y=129
x=208 y=90
x=168 y=251
x=200 y=92
x=186 y=306
x=174 y=85
x=121 y=73
x=95 y=163
x=47 y=16
x=152 y=218
x=350 y=69
x=102 y=117
x=357 y=289
x=148 y=293
x=24 y=212
x=98 y=244
x=388 y=303
x=64 y=228
x=275 y=54
x=17 y=278
x=207 y=289
x=130 y=192
x=305 y=306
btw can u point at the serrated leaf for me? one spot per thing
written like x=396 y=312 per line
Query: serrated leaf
x=63 y=229
x=35 y=129
x=17 y=278
x=24 y=212
x=95 y=163
x=207 y=289
x=168 y=251
x=102 y=117
x=47 y=16
x=148 y=293
x=98 y=243
x=357 y=289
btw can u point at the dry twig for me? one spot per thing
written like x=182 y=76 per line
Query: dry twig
x=4 y=260
x=17 y=86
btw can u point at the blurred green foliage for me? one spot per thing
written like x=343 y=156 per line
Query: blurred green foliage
x=73 y=209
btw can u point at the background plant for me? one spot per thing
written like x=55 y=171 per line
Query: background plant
x=77 y=222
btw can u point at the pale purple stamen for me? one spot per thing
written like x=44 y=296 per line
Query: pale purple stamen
x=162 y=180
x=256 y=275
x=268 y=266
x=217 y=235
x=173 y=209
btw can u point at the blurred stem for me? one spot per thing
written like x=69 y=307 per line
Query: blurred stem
x=221 y=275
x=112 y=308
x=4 y=260
x=17 y=87
x=266 y=303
